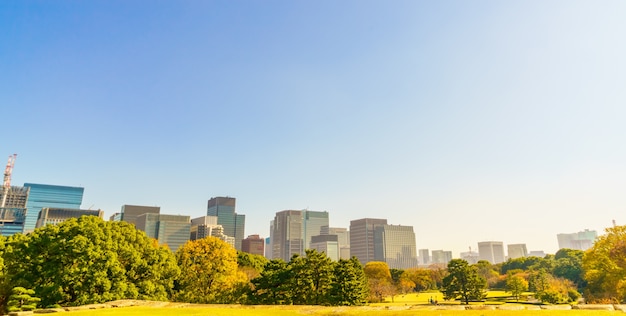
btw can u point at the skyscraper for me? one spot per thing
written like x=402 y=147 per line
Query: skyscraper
x=441 y=256
x=424 y=256
x=492 y=251
x=53 y=196
x=55 y=216
x=362 y=238
x=395 y=244
x=170 y=230
x=234 y=224
x=129 y=213
x=292 y=231
x=516 y=251
x=578 y=241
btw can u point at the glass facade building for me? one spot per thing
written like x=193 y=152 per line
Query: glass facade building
x=12 y=220
x=395 y=244
x=362 y=238
x=170 y=230
x=291 y=232
x=52 y=196
x=234 y=224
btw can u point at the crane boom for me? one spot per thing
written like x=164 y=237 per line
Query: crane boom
x=6 y=186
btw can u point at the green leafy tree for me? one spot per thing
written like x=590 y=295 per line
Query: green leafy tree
x=272 y=286
x=209 y=272
x=251 y=265
x=516 y=284
x=350 y=285
x=21 y=299
x=379 y=280
x=421 y=278
x=568 y=265
x=604 y=267
x=312 y=277
x=464 y=282
x=88 y=260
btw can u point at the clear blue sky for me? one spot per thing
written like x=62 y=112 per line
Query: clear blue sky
x=469 y=120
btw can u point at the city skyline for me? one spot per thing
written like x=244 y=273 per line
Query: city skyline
x=468 y=121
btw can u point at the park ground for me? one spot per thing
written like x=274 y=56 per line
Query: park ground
x=497 y=304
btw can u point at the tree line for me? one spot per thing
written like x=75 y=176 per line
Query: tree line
x=88 y=260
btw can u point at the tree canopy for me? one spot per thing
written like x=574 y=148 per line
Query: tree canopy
x=463 y=282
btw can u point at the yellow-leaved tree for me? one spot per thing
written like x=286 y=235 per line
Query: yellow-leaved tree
x=209 y=272
x=604 y=267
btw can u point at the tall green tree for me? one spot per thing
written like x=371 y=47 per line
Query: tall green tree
x=569 y=265
x=88 y=260
x=464 y=282
x=273 y=285
x=605 y=267
x=350 y=285
x=312 y=277
x=209 y=272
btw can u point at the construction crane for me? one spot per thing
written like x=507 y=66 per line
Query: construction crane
x=7 y=179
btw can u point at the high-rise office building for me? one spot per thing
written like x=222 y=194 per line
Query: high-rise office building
x=492 y=251
x=54 y=216
x=516 y=251
x=327 y=244
x=578 y=241
x=395 y=244
x=362 y=238
x=441 y=256
x=130 y=213
x=170 y=230
x=13 y=215
x=424 y=256
x=52 y=196
x=292 y=232
x=234 y=224
x=206 y=226
x=343 y=239
x=253 y=244
x=471 y=257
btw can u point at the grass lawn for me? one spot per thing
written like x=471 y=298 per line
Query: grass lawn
x=213 y=310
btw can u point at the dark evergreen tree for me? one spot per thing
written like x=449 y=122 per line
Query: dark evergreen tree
x=350 y=286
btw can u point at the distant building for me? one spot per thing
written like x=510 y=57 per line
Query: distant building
x=52 y=196
x=537 y=253
x=471 y=257
x=116 y=217
x=517 y=251
x=206 y=226
x=327 y=244
x=55 y=216
x=441 y=256
x=130 y=213
x=362 y=238
x=13 y=215
x=578 y=241
x=343 y=238
x=170 y=230
x=395 y=244
x=424 y=256
x=492 y=251
x=292 y=231
x=268 y=248
x=234 y=224
x=253 y=244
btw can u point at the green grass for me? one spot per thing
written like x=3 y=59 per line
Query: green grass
x=213 y=310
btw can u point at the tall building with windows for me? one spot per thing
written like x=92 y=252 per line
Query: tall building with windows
x=395 y=244
x=170 y=230
x=343 y=239
x=516 y=251
x=441 y=256
x=492 y=251
x=579 y=241
x=55 y=216
x=292 y=231
x=253 y=244
x=130 y=213
x=327 y=244
x=52 y=196
x=362 y=238
x=424 y=256
x=13 y=215
x=234 y=224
